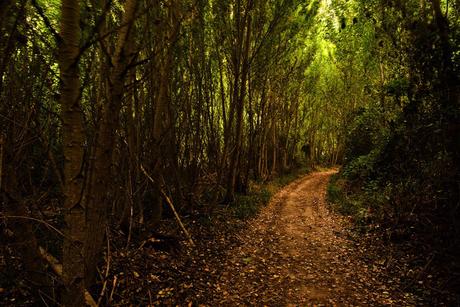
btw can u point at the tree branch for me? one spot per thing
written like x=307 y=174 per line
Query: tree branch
x=47 y=22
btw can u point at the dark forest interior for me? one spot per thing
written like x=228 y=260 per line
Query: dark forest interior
x=141 y=141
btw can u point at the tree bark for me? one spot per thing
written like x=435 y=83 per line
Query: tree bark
x=100 y=196
x=241 y=70
x=73 y=140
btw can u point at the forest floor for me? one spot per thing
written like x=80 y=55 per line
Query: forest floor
x=296 y=251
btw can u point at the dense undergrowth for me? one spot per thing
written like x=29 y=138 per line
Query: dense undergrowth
x=401 y=173
x=399 y=183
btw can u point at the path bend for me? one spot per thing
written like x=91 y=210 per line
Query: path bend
x=297 y=252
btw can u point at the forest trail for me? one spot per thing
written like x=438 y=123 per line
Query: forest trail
x=297 y=252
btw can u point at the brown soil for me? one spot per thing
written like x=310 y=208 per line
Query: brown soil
x=297 y=252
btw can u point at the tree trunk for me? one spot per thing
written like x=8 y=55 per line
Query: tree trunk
x=73 y=140
x=100 y=196
x=162 y=126
x=241 y=68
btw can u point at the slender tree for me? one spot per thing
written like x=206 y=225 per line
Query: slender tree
x=74 y=271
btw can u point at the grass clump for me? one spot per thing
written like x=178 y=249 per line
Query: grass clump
x=248 y=205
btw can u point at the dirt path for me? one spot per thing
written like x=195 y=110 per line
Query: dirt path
x=297 y=252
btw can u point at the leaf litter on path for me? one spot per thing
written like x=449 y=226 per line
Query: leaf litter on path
x=298 y=253
x=295 y=252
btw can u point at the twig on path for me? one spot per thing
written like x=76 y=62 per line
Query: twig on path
x=114 y=285
x=171 y=205
x=150 y=299
x=107 y=270
x=35 y=220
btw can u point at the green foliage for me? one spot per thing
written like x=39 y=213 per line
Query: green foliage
x=337 y=195
x=335 y=190
x=246 y=206
x=361 y=167
x=364 y=203
x=366 y=132
x=287 y=178
x=397 y=87
x=401 y=158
